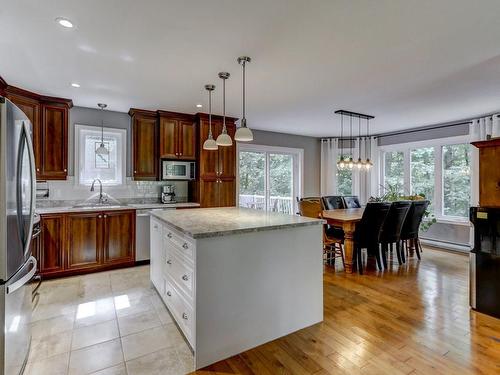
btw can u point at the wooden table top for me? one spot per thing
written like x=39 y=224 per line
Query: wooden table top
x=346 y=214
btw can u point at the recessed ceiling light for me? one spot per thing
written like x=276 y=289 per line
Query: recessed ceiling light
x=64 y=22
x=199 y=106
x=75 y=85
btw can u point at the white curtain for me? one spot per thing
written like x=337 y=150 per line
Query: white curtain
x=479 y=130
x=329 y=157
x=366 y=184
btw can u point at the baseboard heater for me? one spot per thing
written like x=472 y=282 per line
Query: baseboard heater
x=462 y=248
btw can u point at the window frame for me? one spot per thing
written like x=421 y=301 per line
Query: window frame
x=298 y=167
x=438 y=145
x=123 y=154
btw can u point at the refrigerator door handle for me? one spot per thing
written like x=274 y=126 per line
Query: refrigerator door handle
x=25 y=279
x=31 y=155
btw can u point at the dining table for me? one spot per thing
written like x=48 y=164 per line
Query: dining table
x=345 y=218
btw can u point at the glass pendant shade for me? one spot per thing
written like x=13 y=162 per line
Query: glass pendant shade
x=224 y=140
x=210 y=144
x=243 y=134
x=359 y=163
x=102 y=150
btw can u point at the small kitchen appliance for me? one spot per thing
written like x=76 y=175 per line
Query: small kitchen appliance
x=168 y=194
x=177 y=170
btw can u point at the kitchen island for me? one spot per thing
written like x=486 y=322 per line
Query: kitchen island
x=235 y=278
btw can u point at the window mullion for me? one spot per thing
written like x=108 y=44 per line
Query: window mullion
x=438 y=179
x=407 y=172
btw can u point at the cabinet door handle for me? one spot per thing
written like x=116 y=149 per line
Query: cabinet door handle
x=169 y=294
x=65 y=170
x=38 y=169
x=184 y=316
x=169 y=235
x=99 y=216
x=185 y=245
x=169 y=261
x=185 y=277
x=135 y=171
x=105 y=216
x=155 y=226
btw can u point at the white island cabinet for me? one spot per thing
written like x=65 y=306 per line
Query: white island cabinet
x=235 y=278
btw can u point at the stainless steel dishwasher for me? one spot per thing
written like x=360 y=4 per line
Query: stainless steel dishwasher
x=142 y=252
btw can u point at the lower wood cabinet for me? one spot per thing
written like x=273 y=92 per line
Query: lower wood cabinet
x=86 y=241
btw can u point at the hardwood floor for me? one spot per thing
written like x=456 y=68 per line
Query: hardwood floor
x=413 y=319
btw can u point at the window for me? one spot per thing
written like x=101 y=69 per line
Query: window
x=394 y=171
x=269 y=178
x=456 y=180
x=110 y=168
x=344 y=179
x=438 y=169
x=422 y=172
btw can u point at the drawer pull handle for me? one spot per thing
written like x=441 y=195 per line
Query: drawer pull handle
x=169 y=261
x=169 y=235
x=185 y=246
x=185 y=278
x=155 y=226
x=169 y=294
x=184 y=316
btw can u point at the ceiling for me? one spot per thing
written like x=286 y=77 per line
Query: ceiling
x=408 y=63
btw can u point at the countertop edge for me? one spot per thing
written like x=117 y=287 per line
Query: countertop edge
x=230 y=232
x=154 y=206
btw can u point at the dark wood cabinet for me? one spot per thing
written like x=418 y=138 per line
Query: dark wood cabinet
x=119 y=241
x=489 y=176
x=84 y=239
x=51 y=252
x=53 y=146
x=217 y=186
x=145 y=161
x=49 y=117
x=177 y=136
x=83 y=242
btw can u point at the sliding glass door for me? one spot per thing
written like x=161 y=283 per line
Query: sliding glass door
x=269 y=178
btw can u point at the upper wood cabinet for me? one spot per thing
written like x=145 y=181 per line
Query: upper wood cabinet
x=217 y=168
x=145 y=161
x=177 y=136
x=489 y=175
x=53 y=146
x=49 y=117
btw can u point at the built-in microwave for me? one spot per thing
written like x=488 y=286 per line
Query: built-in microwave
x=177 y=170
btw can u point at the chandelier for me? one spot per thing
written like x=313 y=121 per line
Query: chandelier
x=346 y=161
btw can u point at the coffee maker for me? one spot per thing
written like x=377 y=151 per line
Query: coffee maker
x=168 y=194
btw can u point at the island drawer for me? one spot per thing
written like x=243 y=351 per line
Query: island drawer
x=180 y=272
x=183 y=244
x=180 y=309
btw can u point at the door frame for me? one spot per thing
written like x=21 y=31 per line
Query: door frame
x=298 y=167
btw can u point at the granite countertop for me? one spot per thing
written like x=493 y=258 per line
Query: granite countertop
x=213 y=222
x=51 y=207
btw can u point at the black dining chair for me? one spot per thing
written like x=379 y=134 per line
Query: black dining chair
x=391 y=231
x=412 y=225
x=367 y=233
x=332 y=202
x=351 y=202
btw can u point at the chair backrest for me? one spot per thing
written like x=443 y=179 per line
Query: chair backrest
x=391 y=230
x=331 y=202
x=413 y=219
x=310 y=207
x=351 y=202
x=369 y=228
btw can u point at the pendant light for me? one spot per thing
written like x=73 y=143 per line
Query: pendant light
x=359 y=163
x=224 y=139
x=102 y=150
x=243 y=134
x=210 y=143
x=351 y=160
x=340 y=163
x=368 y=163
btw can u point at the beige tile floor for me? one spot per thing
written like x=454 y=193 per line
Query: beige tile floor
x=105 y=323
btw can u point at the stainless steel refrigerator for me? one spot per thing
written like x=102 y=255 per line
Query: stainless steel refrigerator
x=17 y=208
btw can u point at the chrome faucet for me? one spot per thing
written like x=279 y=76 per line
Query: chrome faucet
x=102 y=199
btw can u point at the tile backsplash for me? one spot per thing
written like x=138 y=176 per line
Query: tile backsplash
x=69 y=190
